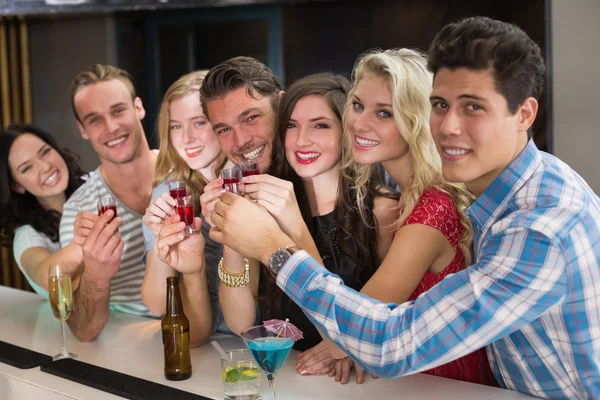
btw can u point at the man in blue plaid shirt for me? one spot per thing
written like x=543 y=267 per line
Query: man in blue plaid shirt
x=532 y=295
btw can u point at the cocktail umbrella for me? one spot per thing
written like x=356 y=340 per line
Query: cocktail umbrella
x=283 y=329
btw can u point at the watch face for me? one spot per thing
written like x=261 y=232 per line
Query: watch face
x=278 y=259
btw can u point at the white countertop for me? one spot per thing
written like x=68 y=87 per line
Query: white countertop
x=132 y=345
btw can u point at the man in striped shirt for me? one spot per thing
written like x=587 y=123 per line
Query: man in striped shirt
x=109 y=115
x=533 y=294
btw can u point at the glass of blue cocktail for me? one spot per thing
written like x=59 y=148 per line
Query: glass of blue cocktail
x=269 y=351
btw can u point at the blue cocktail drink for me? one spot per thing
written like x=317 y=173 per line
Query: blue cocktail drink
x=270 y=353
x=269 y=350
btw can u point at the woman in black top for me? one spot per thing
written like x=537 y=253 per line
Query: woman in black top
x=313 y=201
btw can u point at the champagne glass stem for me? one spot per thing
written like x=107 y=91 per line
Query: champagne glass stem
x=272 y=387
x=62 y=329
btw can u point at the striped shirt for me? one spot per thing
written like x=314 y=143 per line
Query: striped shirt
x=126 y=285
x=532 y=296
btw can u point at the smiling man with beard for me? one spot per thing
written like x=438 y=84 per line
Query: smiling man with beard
x=109 y=116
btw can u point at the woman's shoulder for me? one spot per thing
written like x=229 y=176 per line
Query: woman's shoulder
x=436 y=209
x=437 y=197
x=28 y=231
x=162 y=187
x=26 y=237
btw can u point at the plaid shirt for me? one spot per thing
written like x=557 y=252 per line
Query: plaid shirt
x=532 y=296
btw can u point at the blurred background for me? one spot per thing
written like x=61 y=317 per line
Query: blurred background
x=43 y=46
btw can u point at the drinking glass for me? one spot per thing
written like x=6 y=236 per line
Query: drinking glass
x=177 y=189
x=249 y=168
x=241 y=376
x=231 y=180
x=269 y=350
x=60 y=295
x=185 y=209
x=105 y=204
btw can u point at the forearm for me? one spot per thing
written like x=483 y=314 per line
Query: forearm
x=36 y=260
x=305 y=241
x=197 y=307
x=154 y=289
x=391 y=340
x=90 y=309
x=238 y=304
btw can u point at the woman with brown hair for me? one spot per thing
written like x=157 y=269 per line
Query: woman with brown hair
x=314 y=202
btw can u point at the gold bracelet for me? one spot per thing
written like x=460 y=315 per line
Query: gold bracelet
x=241 y=279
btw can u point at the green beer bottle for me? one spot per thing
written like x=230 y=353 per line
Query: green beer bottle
x=176 y=335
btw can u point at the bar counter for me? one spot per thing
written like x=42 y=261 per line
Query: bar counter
x=132 y=345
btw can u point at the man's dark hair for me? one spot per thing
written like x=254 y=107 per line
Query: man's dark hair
x=236 y=73
x=481 y=43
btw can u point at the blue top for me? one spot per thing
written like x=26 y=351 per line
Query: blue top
x=532 y=296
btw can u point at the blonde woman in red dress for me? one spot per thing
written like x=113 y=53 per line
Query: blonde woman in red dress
x=387 y=121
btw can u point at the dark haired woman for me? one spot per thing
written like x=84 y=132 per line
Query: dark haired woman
x=314 y=203
x=36 y=178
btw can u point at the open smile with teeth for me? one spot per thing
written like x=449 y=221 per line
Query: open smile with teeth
x=365 y=142
x=307 y=156
x=116 y=142
x=251 y=155
x=194 y=151
x=456 y=151
x=51 y=179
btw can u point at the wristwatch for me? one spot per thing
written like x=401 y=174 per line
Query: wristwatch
x=279 y=258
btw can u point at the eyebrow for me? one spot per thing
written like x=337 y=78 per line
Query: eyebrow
x=244 y=114
x=85 y=117
x=377 y=104
x=319 y=118
x=462 y=96
x=39 y=151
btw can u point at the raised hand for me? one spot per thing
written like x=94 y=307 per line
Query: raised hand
x=160 y=209
x=83 y=224
x=276 y=196
x=211 y=195
x=183 y=253
x=247 y=228
x=102 y=249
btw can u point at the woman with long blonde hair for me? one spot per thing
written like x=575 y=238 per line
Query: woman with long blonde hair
x=387 y=121
x=188 y=151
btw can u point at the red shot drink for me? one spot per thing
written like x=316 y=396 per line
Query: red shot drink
x=108 y=203
x=185 y=210
x=177 y=189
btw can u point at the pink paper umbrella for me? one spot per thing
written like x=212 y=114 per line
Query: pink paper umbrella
x=283 y=329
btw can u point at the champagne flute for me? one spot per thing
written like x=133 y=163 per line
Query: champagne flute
x=61 y=301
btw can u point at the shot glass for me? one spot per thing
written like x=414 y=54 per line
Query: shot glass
x=177 y=189
x=241 y=376
x=249 y=168
x=105 y=204
x=185 y=210
x=231 y=180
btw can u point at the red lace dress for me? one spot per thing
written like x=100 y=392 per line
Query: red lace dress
x=436 y=209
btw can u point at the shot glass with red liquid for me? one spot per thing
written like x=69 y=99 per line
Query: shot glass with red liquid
x=105 y=204
x=249 y=168
x=177 y=189
x=231 y=180
x=185 y=210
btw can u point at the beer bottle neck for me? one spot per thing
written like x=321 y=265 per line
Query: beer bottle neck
x=174 y=306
